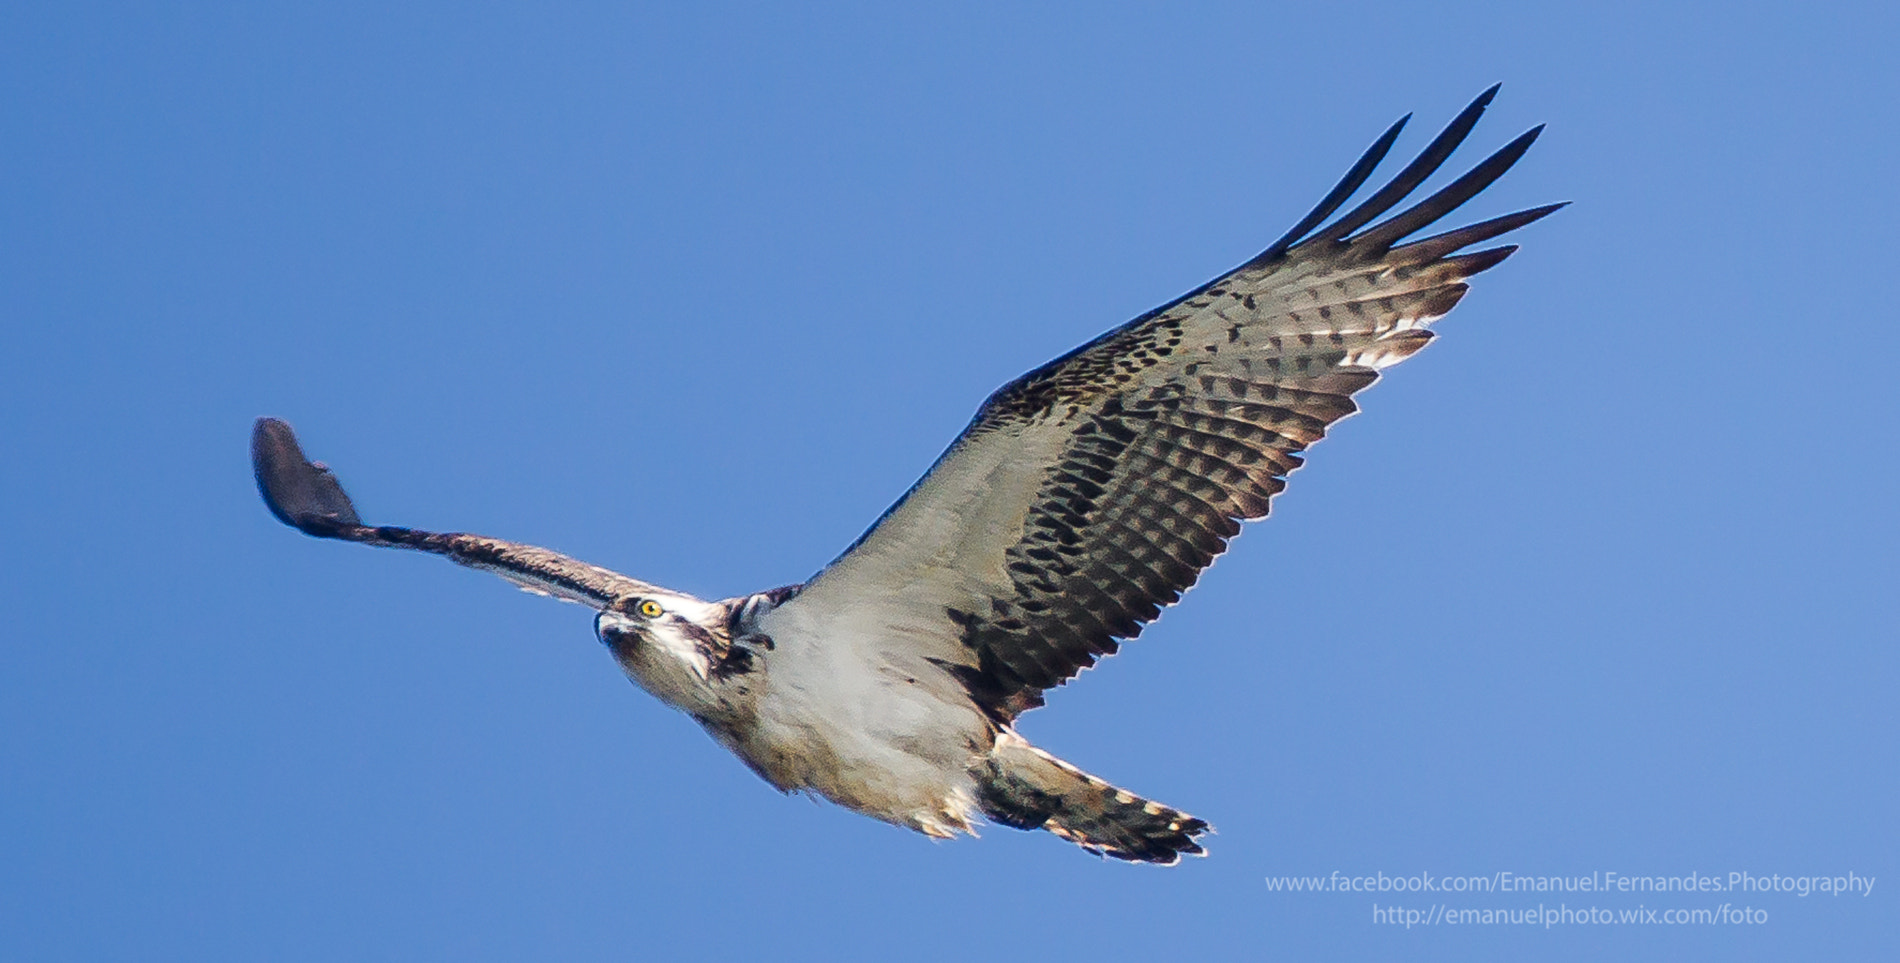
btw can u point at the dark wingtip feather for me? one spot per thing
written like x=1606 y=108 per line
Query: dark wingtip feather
x=1355 y=177
x=1414 y=174
x=1480 y=261
x=1438 y=245
x=1447 y=199
x=303 y=495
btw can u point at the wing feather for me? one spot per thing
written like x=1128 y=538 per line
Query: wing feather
x=1091 y=492
x=1407 y=180
x=1347 y=186
x=306 y=496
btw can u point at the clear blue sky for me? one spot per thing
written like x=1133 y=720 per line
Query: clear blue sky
x=1602 y=582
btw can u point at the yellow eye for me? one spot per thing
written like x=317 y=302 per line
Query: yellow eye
x=650 y=609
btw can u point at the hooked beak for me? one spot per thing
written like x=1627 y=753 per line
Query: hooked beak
x=614 y=629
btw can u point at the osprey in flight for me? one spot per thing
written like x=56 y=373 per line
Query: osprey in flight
x=1083 y=497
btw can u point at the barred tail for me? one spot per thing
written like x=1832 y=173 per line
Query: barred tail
x=1025 y=788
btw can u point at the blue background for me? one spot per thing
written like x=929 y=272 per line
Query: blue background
x=1603 y=581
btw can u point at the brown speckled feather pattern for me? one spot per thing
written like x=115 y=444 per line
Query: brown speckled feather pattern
x=1176 y=439
x=1105 y=481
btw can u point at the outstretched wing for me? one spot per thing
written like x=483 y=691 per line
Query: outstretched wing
x=307 y=497
x=1091 y=492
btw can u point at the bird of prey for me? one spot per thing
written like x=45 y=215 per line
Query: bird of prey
x=1084 y=497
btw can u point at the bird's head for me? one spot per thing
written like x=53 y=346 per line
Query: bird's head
x=669 y=643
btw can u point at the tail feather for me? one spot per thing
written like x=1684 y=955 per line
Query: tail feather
x=1026 y=788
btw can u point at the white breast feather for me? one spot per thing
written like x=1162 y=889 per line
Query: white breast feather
x=875 y=726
